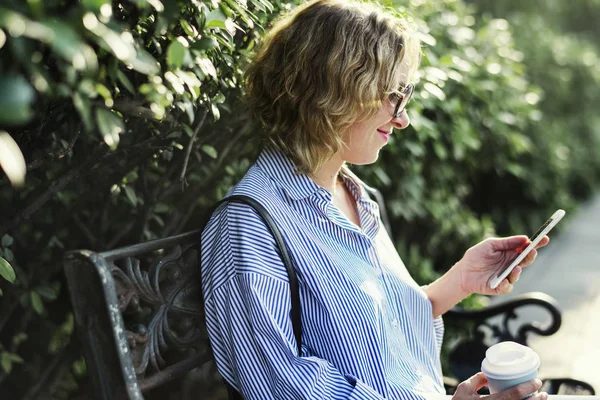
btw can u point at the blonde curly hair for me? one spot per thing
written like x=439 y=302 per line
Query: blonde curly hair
x=322 y=66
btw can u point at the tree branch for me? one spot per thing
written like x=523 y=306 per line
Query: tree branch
x=146 y=209
x=86 y=231
x=222 y=155
x=62 y=152
x=188 y=151
x=120 y=235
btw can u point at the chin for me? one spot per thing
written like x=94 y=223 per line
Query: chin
x=364 y=159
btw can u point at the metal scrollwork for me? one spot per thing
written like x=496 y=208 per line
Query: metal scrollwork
x=162 y=308
x=467 y=353
x=507 y=311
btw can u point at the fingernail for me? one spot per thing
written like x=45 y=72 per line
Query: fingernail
x=538 y=382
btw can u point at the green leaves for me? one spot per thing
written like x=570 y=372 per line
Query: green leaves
x=122 y=45
x=110 y=125
x=8 y=359
x=205 y=44
x=130 y=193
x=48 y=292
x=6 y=271
x=16 y=99
x=7 y=240
x=215 y=19
x=207 y=67
x=95 y=5
x=211 y=151
x=68 y=44
x=36 y=302
x=143 y=62
x=176 y=53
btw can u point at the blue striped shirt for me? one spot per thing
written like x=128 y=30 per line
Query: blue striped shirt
x=367 y=328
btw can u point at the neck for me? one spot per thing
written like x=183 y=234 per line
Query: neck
x=327 y=175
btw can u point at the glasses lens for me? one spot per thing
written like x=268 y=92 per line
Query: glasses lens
x=403 y=100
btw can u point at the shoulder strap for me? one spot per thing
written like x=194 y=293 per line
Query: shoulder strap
x=285 y=256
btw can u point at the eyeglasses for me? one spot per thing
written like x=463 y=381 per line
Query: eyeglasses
x=401 y=98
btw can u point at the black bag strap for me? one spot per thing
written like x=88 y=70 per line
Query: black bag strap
x=285 y=256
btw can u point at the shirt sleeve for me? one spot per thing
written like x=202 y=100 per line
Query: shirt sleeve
x=438 y=324
x=248 y=318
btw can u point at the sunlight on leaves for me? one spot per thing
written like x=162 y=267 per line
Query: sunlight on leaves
x=11 y=160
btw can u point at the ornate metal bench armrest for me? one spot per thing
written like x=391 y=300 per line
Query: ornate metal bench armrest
x=138 y=312
x=508 y=308
x=99 y=325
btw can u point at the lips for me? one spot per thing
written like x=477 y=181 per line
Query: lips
x=384 y=134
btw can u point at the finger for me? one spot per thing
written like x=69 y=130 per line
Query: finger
x=477 y=381
x=514 y=274
x=469 y=388
x=518 y=392
x=505 y=287
x=539 y=396
x=529 y=258
x=520 y=249
x=545 y=240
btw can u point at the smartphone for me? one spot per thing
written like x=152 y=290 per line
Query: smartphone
x=496 y=279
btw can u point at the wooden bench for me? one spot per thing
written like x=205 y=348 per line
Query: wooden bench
x=139 y=315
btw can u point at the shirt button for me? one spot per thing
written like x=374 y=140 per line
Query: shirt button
x=395 y=323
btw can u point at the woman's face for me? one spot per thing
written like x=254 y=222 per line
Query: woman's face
x=364 y=138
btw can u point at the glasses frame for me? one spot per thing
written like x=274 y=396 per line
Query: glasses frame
x=404 y=97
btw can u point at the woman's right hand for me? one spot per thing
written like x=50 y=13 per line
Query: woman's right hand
x=467 y=390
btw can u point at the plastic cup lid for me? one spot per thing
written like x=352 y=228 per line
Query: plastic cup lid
x=509 y=360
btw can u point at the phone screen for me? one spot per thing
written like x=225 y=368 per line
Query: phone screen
x=539 y=231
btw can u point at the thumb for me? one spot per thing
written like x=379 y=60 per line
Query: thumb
x=477 y=381
x=510 y=243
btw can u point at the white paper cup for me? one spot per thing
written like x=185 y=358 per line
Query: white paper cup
x=508 y=364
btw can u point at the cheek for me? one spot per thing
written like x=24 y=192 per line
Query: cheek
x=351 y=132
x=355 y=135
x=361 y=131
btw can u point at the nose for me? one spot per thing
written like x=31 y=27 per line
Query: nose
x=402 y=121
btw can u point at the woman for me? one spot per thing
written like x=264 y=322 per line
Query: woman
x=329 y=86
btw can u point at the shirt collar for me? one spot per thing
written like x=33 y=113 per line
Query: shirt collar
x=299 y=186
x=357 y=186
x=282 y=170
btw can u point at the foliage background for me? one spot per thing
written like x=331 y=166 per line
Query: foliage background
x=130 y=119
